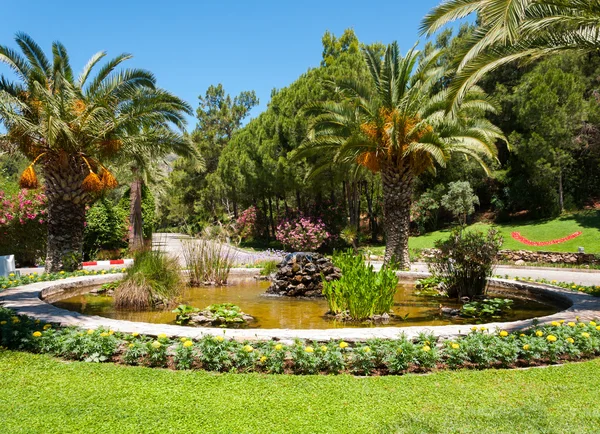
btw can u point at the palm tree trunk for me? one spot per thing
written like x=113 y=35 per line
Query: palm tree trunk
x=397 y=196
x=66 y=214
x=136 y=238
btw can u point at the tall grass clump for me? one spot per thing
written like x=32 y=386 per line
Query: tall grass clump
x=153 y=280
x=361 y=293
x=465 y=261
x=208 y=262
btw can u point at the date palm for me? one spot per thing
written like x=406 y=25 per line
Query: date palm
x=509 y=30
x=397 y=126
x=71 y=126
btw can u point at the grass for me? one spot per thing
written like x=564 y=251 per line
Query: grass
x=588 y=222
x=40 y=394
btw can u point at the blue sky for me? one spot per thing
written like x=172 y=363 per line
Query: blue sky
x=189 y=45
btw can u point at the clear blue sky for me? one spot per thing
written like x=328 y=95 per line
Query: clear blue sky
x=189 y=45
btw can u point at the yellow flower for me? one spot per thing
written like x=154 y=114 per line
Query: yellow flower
x=598 y=328
x=111 y=332
x=581 y=289
x=11 y=275
x=309 y=349
x=539 y=333
x=188 y=344
x=2 y=322
x=156 y=345
x=62 y=272
x=522 y=335
x=323 y=348
x=526 y=347
x=593 y=323
x=37 y=321
x=367 y=349
x=104 y=334
x=131 y=345
x=343 y=345
x=426 y=348
x=123 y=270
x=571 y=324
x=504 y=333
x=15 y=320
x=455 y=346
x=220 y=338
x=554 y=281
x=47 y=326
x=581 y=324
x=162 y=336
x=585 y=335
x=483 y=329
x=135 y=334
x=278 y=347
x=263 y=359
x=574 y=286
x=248 y=348
x=183 y=339
x=90 y=332
x=555 y=323
x=474 y=328
x=570 y=340
x=37 y=334
x=551 y=338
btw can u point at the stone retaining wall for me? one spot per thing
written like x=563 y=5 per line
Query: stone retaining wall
x=527 y=256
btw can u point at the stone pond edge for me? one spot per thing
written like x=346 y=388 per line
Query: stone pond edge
x=28 y=300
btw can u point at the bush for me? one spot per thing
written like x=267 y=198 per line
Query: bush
x=153 y=280
x=465 y=261
x=302 y=234
x=424 y=212
x=460 y=200
x=361 y=292
x=106 y=228
x=251 y=224
x=23 y=229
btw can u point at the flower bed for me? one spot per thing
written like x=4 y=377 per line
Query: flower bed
x=518 y=237
x=14 y=280
x=479 y=349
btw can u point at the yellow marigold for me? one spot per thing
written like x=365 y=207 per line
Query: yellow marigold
x=263 y=359
x=37 y=321
x=188 y=344
x=555 y=323
x=90 y=332
x=570 y=340
x=183 y=339
x=522 y=335
x=111 y=332
x=47 y=326
x=131 y=345
x=309 y=349
x=574 y=286
x=562 y=321
x=2 y=322
x=135 y=334
x=367 y=349
x=62 y=272
x=123 y=269
x=551 y=338
x=220 y=338
x=162 y=336
x=581 y=324
x=539 y=333
x=571 y=324
x=323 y=348
x=37 y=334
x=156 y=345
x=455 y=346
x=343 y=345
x=526 y=347
x=426 y=348
x=104 y=334
x=585 y=335
x=593 y=323
x=598 y=328
x=504 y=333
x=483 y=329
x=278 y=347
x=15 y=320
x=11 y=275
x=248 y=348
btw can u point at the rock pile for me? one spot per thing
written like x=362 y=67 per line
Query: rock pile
x=299 y=275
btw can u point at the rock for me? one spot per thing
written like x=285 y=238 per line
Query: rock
x=520 y=262
x=300 y=275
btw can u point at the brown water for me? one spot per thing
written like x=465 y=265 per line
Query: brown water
x=282 y=312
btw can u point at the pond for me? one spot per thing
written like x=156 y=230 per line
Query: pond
x=290 y=313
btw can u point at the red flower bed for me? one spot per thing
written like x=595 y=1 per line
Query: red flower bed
x=517 y=236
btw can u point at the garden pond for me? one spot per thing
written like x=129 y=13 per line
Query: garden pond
x=273 y=312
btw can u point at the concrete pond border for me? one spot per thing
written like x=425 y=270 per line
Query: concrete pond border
x=29 y=300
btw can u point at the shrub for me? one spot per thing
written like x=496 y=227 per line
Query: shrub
x=23 y=226
x=460 y=200
x=361 y=292
x=465 y=261
x=424 y=212
x=106 y=228
x=302 y=234
x=151 y=281
x=207 y=261
x=251 y=224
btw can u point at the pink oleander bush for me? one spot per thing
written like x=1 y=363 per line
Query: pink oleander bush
x=251 y=224
x=302 y=234
x=23 y=226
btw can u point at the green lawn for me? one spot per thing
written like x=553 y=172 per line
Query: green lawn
x=39 y=394
x=588 y=222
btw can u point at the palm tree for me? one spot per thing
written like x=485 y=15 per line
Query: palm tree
x=509 y=30
x=71 y=126
x=397 y=126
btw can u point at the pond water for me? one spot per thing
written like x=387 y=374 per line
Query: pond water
x=283 y=312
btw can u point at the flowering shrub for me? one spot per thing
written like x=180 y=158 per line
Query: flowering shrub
x=251 y=224
x=302 y=234
x=23 y=226
x=517 y=236
x=481 y=348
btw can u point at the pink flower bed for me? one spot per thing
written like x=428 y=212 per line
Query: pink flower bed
x=517 y=236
